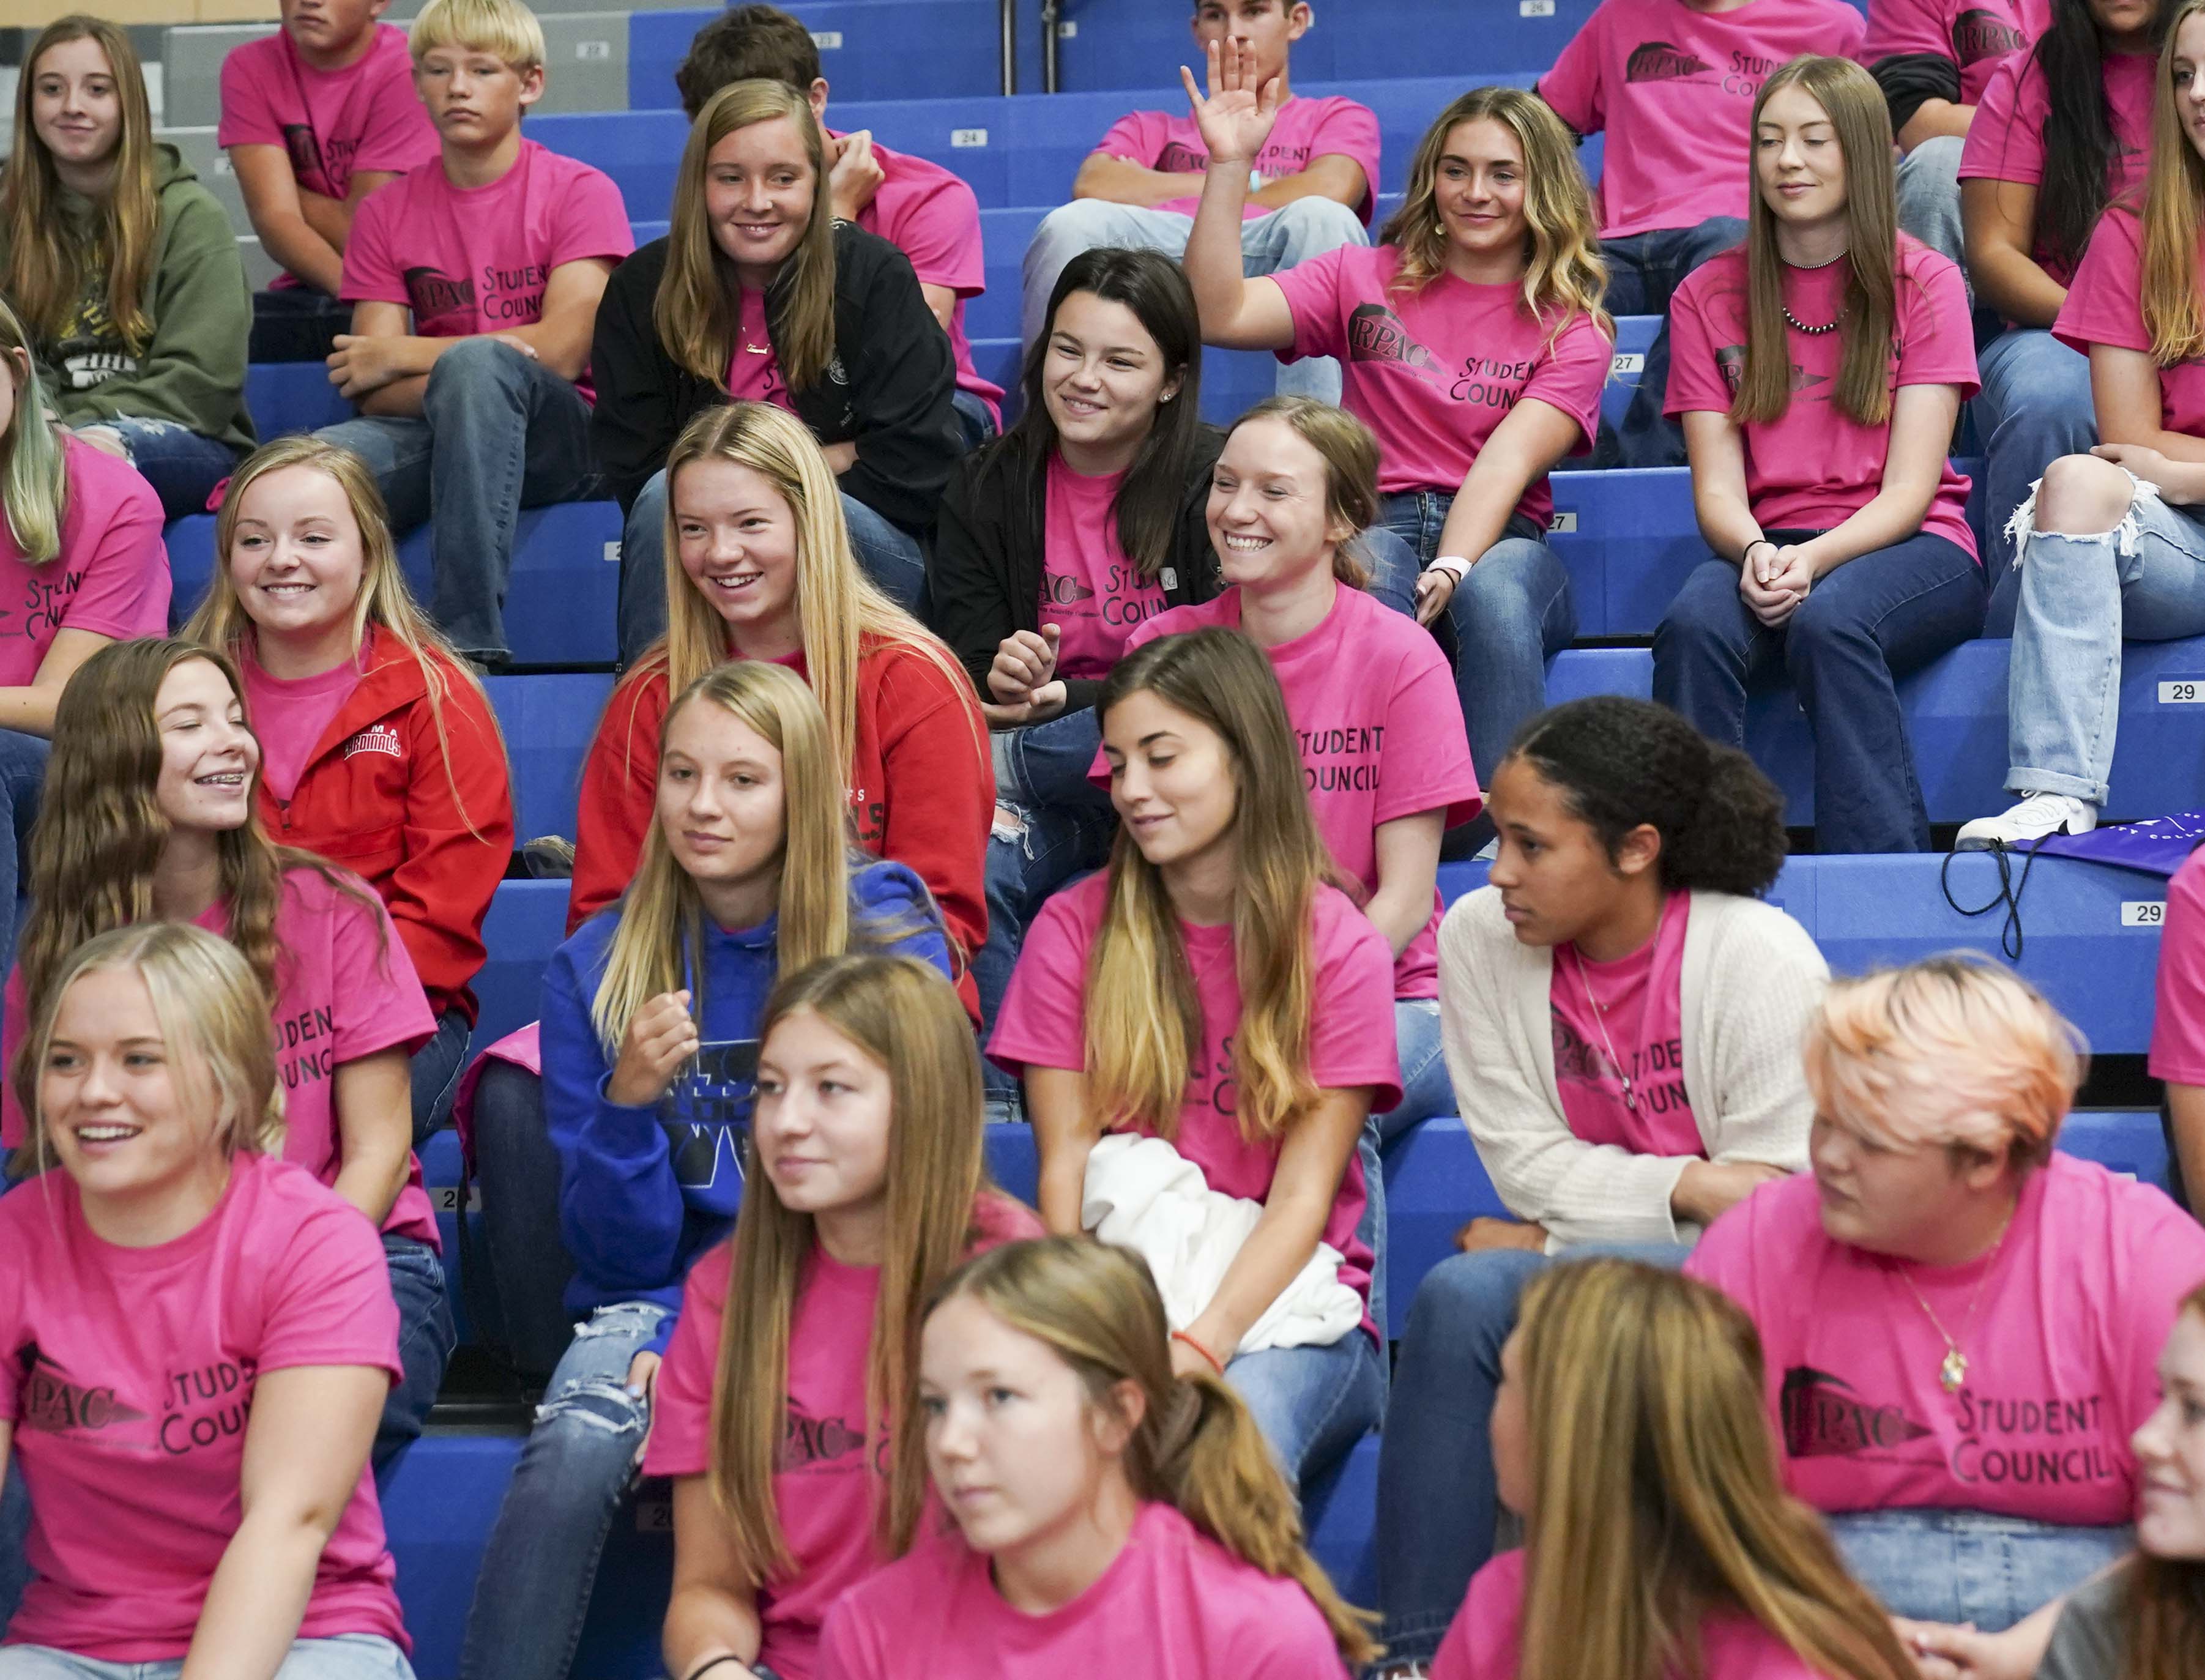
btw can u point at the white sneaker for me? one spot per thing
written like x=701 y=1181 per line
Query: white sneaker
x=2037 y=816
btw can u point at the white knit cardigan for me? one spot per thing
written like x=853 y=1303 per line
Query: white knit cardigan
x=1752 y=977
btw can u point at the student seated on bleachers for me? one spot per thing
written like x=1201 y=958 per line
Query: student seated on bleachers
x=1672 y=83
x=1622 y=1020
x=781 y=1412
x=474 y=283
x=153 y=818
x=1133 y=1012
x=758 y=566
x=1056 y=543
x=1473 y=391
x=1962 y=1325
x=1311 y=185
x=2111 y=543
x=1379 y=734
x=315 y=117
x=2177 y=1026
x=229 y=1319
x=1628 y=1435
x=1118 y=1506
x=123 y=269
x=378 y=747
x=1933 y=59
x=650 y=1036
x=760 y=293
x=2062 y=131
x=80 y=529
x=918 y=206
x=1819 y=372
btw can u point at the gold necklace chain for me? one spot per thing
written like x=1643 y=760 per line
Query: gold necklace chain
x=1952 y=1372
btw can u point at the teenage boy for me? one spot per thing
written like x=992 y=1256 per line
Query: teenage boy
x=920 y=208
x=315 y=117
x=1672 y=82
x=1310 y=191
x=499 y=252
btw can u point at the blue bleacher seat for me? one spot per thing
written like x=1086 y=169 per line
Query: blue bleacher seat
x=439 y=1155
x=867 y=50
x=1629 y=539
x=527 y=922
x=549 y=722
x=287 y=397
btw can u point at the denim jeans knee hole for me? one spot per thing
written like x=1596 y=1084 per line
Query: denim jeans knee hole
x=595 y=1403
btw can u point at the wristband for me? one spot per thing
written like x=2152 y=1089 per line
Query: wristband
x=1453 y=565
x=1745 y=556
x=711 y=1663
x=1215 y=1364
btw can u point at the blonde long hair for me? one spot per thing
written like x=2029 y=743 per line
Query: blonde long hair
x=1863 y=121
x=34 y=484
x=697 y=311
x=839 y=608
x=2163 y=1600
x=1197 y=1447
x=385 y=604
x=1656 y=1497
x=45 y=273
x=2167 y=282
x=1143 y=1022
x=658 y=946
x=908 y=1018
x=1564 y=274
x=214 y=1016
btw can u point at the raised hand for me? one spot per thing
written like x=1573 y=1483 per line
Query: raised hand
x=1236 y=119
x=661 y=1036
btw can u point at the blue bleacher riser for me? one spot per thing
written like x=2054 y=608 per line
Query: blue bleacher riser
x=549 y=722
x=439 y=1155
x=287 y=397
x=1629 y=539
x=880 y=45
x=527 y=922
x=561 y=606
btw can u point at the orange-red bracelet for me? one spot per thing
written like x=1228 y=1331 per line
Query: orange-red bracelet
x=1215 y=1364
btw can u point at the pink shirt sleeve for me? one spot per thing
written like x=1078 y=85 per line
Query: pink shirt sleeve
x=682 y=1400
x=377 y=996
x=1042 y=1021
x=2001 y=145
x=1139 y=135
x=2178 y=1029
x=940 y=231
x=1572 y=375
x=371 y=271
x=1312 y=290
x=592 y=221
x=124 y=592
x=1573 y=87
x=2169 y=1254
x=1907 y=27
x=330 y=1302
x=398 y=135
x=1696 y=384
x=1426 y=764
x=1724 y=1257
x=1937 y=344
x=2103 y=305
x=247 y=117
x=1349 y=130
x=1351 y=1008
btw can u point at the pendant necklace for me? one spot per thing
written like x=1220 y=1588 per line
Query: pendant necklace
x=1953 y=1370
x=1600 y=1017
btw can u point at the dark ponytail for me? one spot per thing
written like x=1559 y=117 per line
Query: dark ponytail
x=1624 y=763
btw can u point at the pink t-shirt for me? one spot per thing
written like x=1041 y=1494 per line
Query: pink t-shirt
x=1814 y=467
x=339 y=997
x=2177 y=1029
x=365 y=118
x=1089 y=589
x=2006 y=139
x=1433 y=372
x=470 y=260
x=1674 y=89
x=111 y=577
x=2061 y=1326
x=753 y=369
x=1044 y=1024
x=1379 y=723
x=128 y=1374
x=305 y=704
x=1972 y=35
x=933 y=218
x=1631 y=1008
x=824 y=1489
x=1306 y=130
x=1190 y=1608
x=2104 y=305
x=1483 y=1641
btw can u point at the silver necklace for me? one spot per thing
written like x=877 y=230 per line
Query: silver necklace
x=1600 y=1017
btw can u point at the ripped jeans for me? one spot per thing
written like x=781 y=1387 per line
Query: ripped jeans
x=182 y=466
x=2080 y=598
x=533 y=1591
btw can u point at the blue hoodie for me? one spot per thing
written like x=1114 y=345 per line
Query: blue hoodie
x=643 y=1192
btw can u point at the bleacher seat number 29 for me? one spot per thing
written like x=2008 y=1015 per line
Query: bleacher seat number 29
x=2143 y=913
x=2189 y=691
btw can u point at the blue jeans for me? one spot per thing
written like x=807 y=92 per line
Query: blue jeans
x=1861 y=628
x=516 y=1278
x=1437 y=1497
x=891 y=555
x=1643 y=272
x=436 y=1071
x=15 y=1529
x=1957 y=1566
x=1929 y=196
x=1505 y=620
x=1051 y=824
x=498 y=431
x=425 y=1339
x=22 y=774
x=1292 y=234
x=2034 y=408
x=182 y=467
x=533 y=1591
x=347 y=1656
x=978 y=425
x=1426 y=1090
x=1313 y=1403
x=2080 y=597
